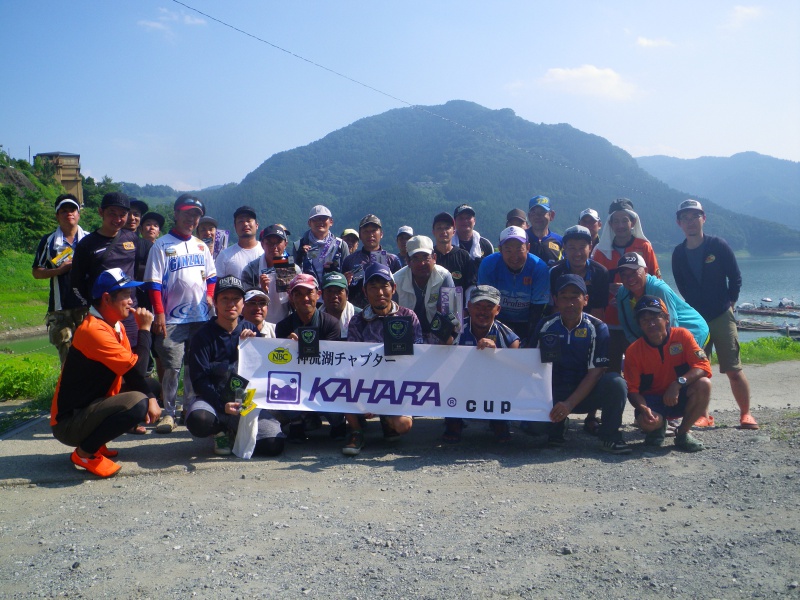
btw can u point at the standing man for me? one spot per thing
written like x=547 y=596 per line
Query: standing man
x=517 y=218
x=668 y=376
x=233 y=259
x=272 y=271
x=152 y=224
x=522 y=279
x=88 y=410
x=367 y=326
x=318 y=251
x=454 y=259
x=591 y=220
x=138 y=208
x=181 y=277
x=370 y=232
x=708 y=277
x=404 y=234
x=544 y=243
x=53 y=261
x=467 y=238
x=577 y=242
x=419 y=284
x=335 y=302
x=207 y=231
x=350 y=237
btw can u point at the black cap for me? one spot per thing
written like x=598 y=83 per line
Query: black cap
x=205 y=219
x=139 y=205
x=571 y=279
x=154 y=216
x=188 y=202
x=620 y=204
x=443 y=216
x=463 y=208
x=516 y=213
x=229 y=282
x=273 y=230
x=115 y=199
x=650 y=304
x=245 y=210
x=370 y=220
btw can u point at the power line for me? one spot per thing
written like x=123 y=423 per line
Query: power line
x=405 y=102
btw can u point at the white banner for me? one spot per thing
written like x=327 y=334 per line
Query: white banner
x=437 y=381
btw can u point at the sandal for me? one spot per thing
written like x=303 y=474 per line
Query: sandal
x=748 y=421
x=138 y=430
x=591 y=425
x=704 y=421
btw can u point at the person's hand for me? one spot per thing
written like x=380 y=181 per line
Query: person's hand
x=144 y=318
x=293 y=336
x=307 y=248
x=647 y=416
x=64 y=267
x=247 y=333
x=264 y=281
x=153 y=411
x=671 y=395
x=160 y=324
x=560 y=412
x=486 y=343
x=233 y=408
x=349 y=276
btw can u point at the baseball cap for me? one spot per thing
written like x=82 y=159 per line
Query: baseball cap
x=320 y=211
x=188 y=202
x=255 y=293
x=443 y=216
x=303 y=280
x=516 y=213
x=377 y=270
x=589 y=212
x=631 y=260
x=513 y=233
x=139 y=205
x=112 y=280
x=154 y=216
x=690 y=205
x=650 y=304
x=273 y=230
x=577 y=232
x=419 y=243
x=620 y=204
x=570 y=279
x=463 y=208
x=229 y=282
x=347 y=232
x=334 y=279
x=116 y=199
x=245 y=210
x=485 y=292
x=404 y=230
x=210 y=220
x=288 y=233
x=370 y=220
x=67 y=199
x=542 y=201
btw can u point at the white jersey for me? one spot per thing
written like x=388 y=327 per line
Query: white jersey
x=234 y=259
x=180 y=269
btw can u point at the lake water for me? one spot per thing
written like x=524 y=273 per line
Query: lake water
x=774 y=278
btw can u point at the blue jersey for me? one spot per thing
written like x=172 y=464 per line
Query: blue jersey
x=501 y=335
x=577 y=350
x=518 y=291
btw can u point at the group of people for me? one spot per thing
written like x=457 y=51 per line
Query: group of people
x=127 y=302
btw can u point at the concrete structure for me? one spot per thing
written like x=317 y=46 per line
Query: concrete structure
x=67 y=170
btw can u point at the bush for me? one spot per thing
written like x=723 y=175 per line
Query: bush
x=770 y=349
x=26 y=377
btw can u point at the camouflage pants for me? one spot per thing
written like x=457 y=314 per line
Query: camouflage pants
x=61 y=324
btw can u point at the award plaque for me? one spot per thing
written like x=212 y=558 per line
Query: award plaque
x=308 y=342
x=398 y=336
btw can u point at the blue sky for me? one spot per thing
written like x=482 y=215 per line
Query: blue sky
x=152 y=92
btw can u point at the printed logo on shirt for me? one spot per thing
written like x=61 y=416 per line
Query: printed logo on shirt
x=170 y=251
x=201 y=246
x=434 y=298
x=554 y=246
x=675 y=349
x=527 y=281
x=581 y=333
x=177 y=263
x=456 y=274
x=700 y=354
x=710 y=258
x=128 y=245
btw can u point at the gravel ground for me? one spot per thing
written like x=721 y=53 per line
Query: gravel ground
x=417 y=519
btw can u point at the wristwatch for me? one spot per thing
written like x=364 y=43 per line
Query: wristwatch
x=682 y=381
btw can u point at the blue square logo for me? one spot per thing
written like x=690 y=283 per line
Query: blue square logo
x=284 y=387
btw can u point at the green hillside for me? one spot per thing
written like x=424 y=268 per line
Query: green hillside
x=407 y=164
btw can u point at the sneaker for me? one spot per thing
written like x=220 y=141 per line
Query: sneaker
x=688 y=443
x=222 y=444
x=615 y=447
x=338 y=432
x=748 y=421
x=107 y=452
x=591 y=425
x=656 y=438
x=389 y=434
x=166 y=424
x=354 y=444
x=98 y=465
x=704 y=421
x=297 y=433
x=502 y=434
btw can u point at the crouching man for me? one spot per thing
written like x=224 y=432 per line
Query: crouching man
x=668 y=376
x=212 y=359
x=577 y=345
x=88 y=410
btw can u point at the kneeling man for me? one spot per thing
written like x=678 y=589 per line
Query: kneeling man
x=668 y=376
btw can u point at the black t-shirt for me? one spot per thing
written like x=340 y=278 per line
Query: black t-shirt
x=596 y=279
x=486 y=249
x=97 y=253
x=461 y=266
x=329 y=327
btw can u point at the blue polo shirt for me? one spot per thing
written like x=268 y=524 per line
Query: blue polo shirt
x=502 y=335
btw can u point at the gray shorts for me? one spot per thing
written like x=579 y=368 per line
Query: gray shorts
x=725 y=340
x=268 y=425
x=175 y=344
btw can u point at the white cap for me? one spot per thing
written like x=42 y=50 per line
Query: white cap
x=591 y=213
x=419 y=243
x=513 y=233
x=68 y=201
x=405 y=229
x=320 y=211
x=255 y=293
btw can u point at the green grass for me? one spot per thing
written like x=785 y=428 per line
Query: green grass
x=23 y=299
x=28 y=375
x=769 y=350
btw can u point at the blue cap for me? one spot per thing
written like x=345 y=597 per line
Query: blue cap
x=542 y=201
x=377 y=270
x=111 y=281
x=570 y=279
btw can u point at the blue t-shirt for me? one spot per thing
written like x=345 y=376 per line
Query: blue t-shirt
x=518 y=291
x=502 y=335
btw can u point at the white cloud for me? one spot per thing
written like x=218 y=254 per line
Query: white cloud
x=167 y=18
x=648 y=43
x=589 y=80
x=153 y=25
x=741 y=15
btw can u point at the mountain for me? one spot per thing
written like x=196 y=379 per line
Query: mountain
x=748 y=182
x=407 y=164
